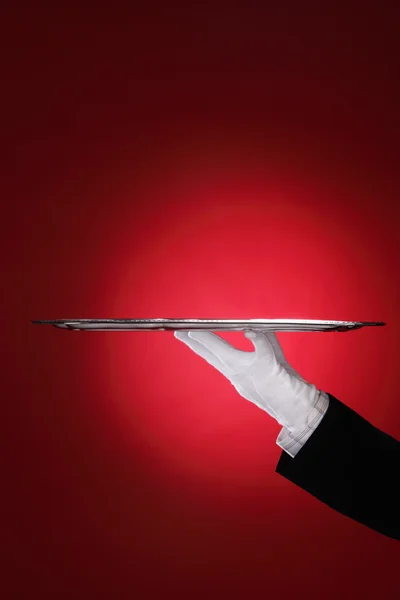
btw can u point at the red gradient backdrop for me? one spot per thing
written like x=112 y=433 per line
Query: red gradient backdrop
x=170 y=163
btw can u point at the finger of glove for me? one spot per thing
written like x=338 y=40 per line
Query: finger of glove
x=201 y=350
x=280 y=355
x=261 y=343
x=276 y=346
x=230 y=356
x=281 y=358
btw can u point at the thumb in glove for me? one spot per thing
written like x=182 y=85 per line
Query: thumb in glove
x=264 y=376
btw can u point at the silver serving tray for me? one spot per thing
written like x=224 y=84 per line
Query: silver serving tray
x=206 y=324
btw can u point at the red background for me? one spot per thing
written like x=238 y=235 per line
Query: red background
x=190 y=162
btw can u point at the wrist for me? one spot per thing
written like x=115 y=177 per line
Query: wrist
x=293 y=439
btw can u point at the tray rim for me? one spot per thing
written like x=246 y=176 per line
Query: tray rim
x=211 y=321
x=220 y=325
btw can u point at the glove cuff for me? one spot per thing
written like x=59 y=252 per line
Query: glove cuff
x=292 y=439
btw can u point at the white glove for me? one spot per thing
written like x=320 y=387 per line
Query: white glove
x=264 y=377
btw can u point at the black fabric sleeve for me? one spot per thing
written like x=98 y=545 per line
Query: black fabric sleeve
x=351 y=466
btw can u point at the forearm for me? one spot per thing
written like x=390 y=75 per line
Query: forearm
x=351 y=466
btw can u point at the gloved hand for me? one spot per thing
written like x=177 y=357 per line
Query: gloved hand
x=264 y=376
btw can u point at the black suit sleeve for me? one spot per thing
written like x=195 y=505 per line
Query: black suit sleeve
x=351 y=466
